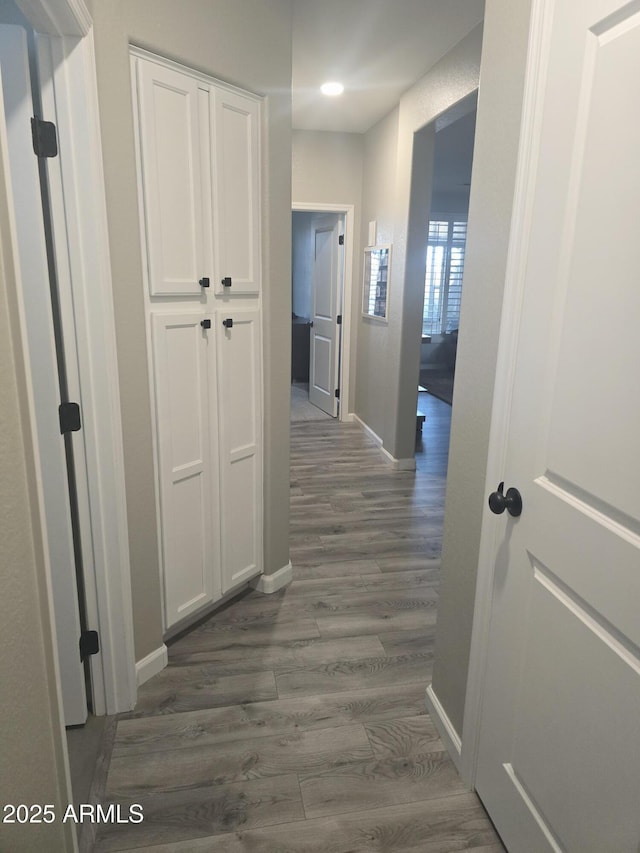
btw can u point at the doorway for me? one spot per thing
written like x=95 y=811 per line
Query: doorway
x=445 y=252
x=42 y=330
x=319 y=369
x=449 y=211
x=67 y=96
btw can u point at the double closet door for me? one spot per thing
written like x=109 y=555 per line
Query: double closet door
x=198 y=173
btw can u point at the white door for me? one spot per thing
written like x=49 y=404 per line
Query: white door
x=170 y=145
x=240 y=395
x=559 y=758
x=236 y=191
x=183 y=362
x=41 y=356
x=324 y=360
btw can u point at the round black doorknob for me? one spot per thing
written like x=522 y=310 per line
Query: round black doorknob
x=512 y=501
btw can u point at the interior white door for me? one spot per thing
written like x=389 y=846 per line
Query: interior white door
x=240 y=394
x=170 y=144
x=41 y=357
x=559 y=757
x=236 y=191
x=324 y=360
x=183 y=357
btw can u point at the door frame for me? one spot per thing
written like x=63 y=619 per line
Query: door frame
x=491 y=536
x=66 y=58
x=348 y=211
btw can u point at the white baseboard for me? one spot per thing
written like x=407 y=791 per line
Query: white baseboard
x=274 y=582
x=399 y=464
x=348 y=418
x=396 y=464
x=368 y=430
x=449 y=735
x=151 y=665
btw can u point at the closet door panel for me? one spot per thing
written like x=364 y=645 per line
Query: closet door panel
x=236 y=184
x=181 y=377
x=170 y=147
x=239 y=388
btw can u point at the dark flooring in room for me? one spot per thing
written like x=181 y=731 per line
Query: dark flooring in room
x=296 y=722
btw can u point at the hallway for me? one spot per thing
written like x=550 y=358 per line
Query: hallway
x=296 y=722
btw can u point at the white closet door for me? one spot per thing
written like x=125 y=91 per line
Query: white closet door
x=236 y=183
x=171 y=180
x=182 y=352
x=239 y=391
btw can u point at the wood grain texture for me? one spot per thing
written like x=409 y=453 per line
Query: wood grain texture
x=203 y=811
x=358 y=785
x=356 y=674
x=179 y=689
x=440 y=825
x=263 y=719
x=297 y=722
x=279 y=655
x=406 y=737
x=251 y=758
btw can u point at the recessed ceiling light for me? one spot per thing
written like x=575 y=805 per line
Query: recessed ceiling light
x=332 y=88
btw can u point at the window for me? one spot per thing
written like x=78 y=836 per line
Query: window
x=443 y=282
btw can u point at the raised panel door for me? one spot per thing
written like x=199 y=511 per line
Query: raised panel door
x=170 y=145
x=182 y=352
x=236 y=192
x=559 y=752
x=240 y=420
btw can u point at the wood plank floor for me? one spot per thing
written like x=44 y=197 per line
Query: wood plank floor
x=296 y=722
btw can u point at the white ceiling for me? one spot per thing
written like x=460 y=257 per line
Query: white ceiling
x=377 y=48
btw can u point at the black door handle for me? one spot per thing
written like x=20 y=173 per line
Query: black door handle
x=228 y=323
x=512 y=501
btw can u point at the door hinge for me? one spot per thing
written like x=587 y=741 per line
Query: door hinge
x=341 y=240
x=337 y=393
x=89 y=644
x=69 y=414
x=339 y=319
x=45 y=139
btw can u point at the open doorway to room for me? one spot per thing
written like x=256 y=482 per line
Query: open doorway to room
x=317 y=294
x=446 y=240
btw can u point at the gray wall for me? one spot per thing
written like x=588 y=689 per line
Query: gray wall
x=378 y=203
x=327 y=169
x=31 y=746
x=496 y=144
x=397 y=196
x=247 y=44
